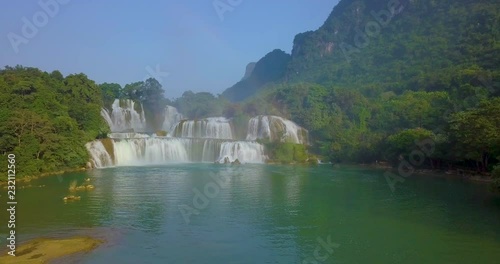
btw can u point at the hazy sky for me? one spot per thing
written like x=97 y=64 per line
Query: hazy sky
x=125 y=41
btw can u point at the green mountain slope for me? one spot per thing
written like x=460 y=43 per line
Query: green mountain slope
x=379 y=77
x=390 y=45
x=400 y=45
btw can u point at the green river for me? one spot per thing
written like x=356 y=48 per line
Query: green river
x=207 y=213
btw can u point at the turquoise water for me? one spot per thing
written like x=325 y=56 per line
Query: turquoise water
x=265 y=214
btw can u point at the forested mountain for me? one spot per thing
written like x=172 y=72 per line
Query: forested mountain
x=377 y=80
x=402 y=45
x=399 y=45
x=380 y=75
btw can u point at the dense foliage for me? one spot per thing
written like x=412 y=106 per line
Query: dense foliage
x=199 y=105
x=369 y=86
x=286 y=153
x=45 y=119
x=429 y=74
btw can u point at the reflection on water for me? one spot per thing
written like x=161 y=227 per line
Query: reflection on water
x=265 y=214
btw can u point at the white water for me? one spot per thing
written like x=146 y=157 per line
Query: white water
x=99 y=156
x=127 y=135
x=212 y=127
x=172 y=117
x=151 y=150
x=244 y=151
x=107 y=117
x=276 y=128
x=125 y=117
x=204 y=140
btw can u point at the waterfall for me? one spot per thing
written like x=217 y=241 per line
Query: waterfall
x=127 y=135
x=99 y=155
x=244 y=151
x=124 y=116
x=276 y=128
x=204 y=140
x=152 y=150
x=107 y=117
x=149 y=151
x=212 y=127
x=172 y=117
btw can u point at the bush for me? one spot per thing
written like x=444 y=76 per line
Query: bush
x=286 y=152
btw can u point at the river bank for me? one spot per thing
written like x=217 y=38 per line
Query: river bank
x=27 y=179
x=453 y=173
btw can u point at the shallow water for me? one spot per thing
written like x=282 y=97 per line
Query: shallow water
x=264 y=214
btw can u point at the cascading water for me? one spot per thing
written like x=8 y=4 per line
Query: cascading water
x=125 y=117
x=107 y=117
x=276 y=128
x=154 y=150
x=172 y=117
x=100 y=157
x=205 y=140
x=212 y=127
x=127 y=135
x=250 y=152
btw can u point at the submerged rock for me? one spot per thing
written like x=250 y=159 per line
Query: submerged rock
x=161 y=133
x=80 y=188
x=44 y=250
x=71 y=198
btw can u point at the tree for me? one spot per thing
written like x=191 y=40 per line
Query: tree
x=476 y=131
x=110 y=92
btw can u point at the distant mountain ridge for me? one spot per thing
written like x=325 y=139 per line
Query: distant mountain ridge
x=398 y=45
x=249 y=70
x=270 y=68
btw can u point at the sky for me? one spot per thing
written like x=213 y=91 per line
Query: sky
x=185 y=44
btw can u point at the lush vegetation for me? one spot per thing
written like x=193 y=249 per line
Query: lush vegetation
x=199 y=105
x=426 y=82
x=45 y=119
x=430 y=73
x=286 y=153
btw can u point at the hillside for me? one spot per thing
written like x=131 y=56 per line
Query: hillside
x=380 y=76
x=409 y=45
x=420 y=47
x=270 y=68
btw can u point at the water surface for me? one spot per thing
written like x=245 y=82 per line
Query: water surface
x=265 y=214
